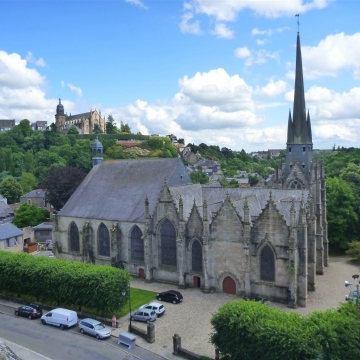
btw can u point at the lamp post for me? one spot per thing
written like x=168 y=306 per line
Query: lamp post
x=356 y=293
x=123 y=293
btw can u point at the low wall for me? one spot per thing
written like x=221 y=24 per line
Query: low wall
x=187 y=354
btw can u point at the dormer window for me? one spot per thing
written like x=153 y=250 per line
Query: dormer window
x=290 y=166
x=304 y=148
x=289 y=149
x=303 y=165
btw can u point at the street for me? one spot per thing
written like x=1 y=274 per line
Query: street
x=59 y=344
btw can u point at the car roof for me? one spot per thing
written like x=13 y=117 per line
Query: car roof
x=153 y=303
x=175 y=292
x=91 y=321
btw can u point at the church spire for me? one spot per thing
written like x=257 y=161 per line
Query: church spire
x=300 y=125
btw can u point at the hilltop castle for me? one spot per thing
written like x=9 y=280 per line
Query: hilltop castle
x=147 y=217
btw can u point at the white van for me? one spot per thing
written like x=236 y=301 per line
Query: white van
x=60 y=317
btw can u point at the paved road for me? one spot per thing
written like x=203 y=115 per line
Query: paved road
x=56 y=344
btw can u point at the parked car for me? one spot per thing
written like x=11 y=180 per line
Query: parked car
x=63 y=318
x=144 y=315
x=31 y=311
x=171 y=296
x=94 y=328
x=157 y=307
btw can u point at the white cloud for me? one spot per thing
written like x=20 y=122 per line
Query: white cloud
x=242 y=52
x=260 y=42
x=21 y=93
x=138 y=3
x=255 y=57
x=38 y=62
x=186 y=26
x=222 y=31
x=272 y=89
x=268 y=32
x=331 y=55
x=14 y=72
x=227 y=10
x=75 y=89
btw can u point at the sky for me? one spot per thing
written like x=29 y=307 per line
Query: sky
x=219 y=72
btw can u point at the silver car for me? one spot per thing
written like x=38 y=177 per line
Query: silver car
x=94 y=328
x=157 y=307
x=144 y=315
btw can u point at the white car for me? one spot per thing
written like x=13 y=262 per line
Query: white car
x=157 y=307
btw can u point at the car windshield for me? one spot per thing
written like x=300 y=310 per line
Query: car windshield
x=99 y=326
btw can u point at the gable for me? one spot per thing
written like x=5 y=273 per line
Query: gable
x=226 y=225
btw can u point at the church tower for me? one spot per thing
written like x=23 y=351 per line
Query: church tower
x=299 y=146
x=60 y=116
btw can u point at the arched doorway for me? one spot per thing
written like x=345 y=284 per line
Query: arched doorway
x=229 y=286
x=197 y=281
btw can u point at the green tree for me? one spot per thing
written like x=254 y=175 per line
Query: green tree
x=111 y=125
x=199 y=177
x=52 y=136
x=125 y=128
x=253 y=180
x=11 y=189
x=28 y=182
x=341 y=214
x=97 y=129
x=73 y=130
x=25 y=127
x=60 y=183
x=30 y=215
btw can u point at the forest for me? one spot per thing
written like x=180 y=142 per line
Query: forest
x=49 y=159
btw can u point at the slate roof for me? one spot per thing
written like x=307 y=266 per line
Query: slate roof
x=9 y=230
x=38 y=193
x=43 y=226
x=116 y=190
x=5 y=210
x=86 y=115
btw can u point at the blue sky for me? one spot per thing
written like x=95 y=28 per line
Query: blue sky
x=219 y=72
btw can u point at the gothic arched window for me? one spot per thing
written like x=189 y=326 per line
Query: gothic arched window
x=295 y=185
x=196 y=256
x=136 y=244
x=103 y=241
x=74 y=238
x=267 y=264
x=168 y=243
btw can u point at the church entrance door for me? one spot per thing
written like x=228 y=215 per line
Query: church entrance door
x=229 y=286
x=141 y=273
x=197 y=281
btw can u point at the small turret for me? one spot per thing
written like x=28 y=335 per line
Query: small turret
x=97 y=152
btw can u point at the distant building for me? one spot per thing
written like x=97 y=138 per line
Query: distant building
x=6 y=125
x=11 y=238
x=85 y=122
x=43 y=232
x=6 y=213
x=39 y=125
x=36 y=198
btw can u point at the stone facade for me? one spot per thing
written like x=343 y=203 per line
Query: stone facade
x=151 y=220
x=85 y=122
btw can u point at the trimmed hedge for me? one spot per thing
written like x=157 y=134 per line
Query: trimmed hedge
x=247 y=330
x=63 y=282
x=112 y=136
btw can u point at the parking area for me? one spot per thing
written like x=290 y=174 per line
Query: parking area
x=191 y=319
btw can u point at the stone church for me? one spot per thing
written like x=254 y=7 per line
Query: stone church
x=84 y=122
x=147 y=217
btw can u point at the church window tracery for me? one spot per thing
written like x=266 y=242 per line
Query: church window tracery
x=137 y=244
x=196 y=256
x=103 y=241
x=168 y=243
x=267 y=264
x=74 y=238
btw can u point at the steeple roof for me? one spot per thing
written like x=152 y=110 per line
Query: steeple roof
x=298 y=129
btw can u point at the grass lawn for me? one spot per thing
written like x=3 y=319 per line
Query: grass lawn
x=138 y=297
